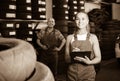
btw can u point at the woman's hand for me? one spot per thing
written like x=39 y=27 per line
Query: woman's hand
x=85 y=60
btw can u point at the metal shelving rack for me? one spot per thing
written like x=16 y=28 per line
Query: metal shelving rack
x=17 y=17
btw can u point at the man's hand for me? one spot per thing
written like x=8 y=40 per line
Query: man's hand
x=44 y=47
x=56 y=49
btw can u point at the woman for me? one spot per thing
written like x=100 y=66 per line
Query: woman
x=117 y=49
x=81 y=68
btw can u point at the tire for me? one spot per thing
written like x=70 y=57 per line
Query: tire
x=42 y=73
x=17 y=59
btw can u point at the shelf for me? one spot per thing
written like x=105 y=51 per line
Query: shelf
x=21 y=20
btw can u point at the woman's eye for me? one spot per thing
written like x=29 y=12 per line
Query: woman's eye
x=83 y=18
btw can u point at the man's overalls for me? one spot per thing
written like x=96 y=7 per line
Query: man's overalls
x=50 y=57
x=79 y=71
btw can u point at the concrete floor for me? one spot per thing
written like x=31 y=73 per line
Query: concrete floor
x=109 y=71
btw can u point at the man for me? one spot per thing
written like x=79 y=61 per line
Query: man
x=51 y=41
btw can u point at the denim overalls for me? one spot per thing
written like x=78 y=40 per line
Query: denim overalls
x=79 y=71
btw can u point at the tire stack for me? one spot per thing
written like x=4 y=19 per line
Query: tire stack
x=39 y=9
x=72 y=9
x=24 y=10
x=75 y=6
x=60 y=14
x=7 y=9
x=24 y=31
x=8 y=29
x=20 y=63
x=80 y=5
x=98 y=17
x=71 y=26
x=109 y=34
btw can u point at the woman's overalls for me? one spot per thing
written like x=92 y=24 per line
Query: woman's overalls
x=50 y=57
x=79 y=71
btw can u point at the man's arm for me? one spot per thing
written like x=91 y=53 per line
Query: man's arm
x=41 y=45
x=62 y=44
x=61 y=38
x=38 y=41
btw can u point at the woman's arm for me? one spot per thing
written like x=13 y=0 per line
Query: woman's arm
x=96 y=50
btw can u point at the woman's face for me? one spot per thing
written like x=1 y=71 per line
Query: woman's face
x=82 y=20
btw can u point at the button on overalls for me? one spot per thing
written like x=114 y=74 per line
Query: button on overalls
x=79 y=71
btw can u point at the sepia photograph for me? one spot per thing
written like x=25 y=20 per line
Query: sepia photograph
x=59 y=40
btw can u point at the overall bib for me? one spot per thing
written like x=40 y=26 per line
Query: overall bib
x=50 y=57
x=80 y=71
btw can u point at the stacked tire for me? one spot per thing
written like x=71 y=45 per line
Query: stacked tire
x=24 y=9
x=60 y=14
x=75 y=6
x=72 y=9
x=24 y=31
x=18 y=62
x=111 y=29
x=39 y=9
x=7 y=9
x=8 y=29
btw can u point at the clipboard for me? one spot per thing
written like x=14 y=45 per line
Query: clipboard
x=80 y=54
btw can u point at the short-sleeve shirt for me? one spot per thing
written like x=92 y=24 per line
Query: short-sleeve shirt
x=58 y=34
x=51 y=38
